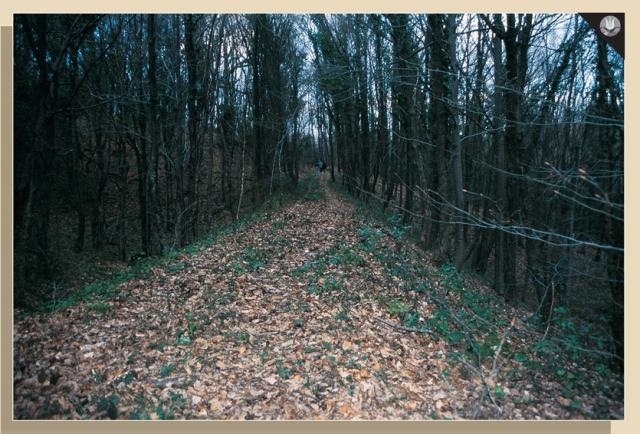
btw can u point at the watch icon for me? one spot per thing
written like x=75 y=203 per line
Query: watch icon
x=610 y=25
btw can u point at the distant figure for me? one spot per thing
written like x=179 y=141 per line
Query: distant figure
x=322 y=166
x=317 y=166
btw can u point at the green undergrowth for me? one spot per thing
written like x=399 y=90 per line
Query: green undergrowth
x=306 y=189
x=473 y=321
x=97 y=294
x=371 y=212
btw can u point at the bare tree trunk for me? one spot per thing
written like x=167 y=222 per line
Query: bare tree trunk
x=122 y=216
x=195 y=145
x=498 y=140
x=439 y=134
x=457 y=148
x=244 y=146
x=153 y=209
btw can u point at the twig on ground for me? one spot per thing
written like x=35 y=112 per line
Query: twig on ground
x=553 y=290
x=453 y=401
x=475 y=413
x=173 y=381
x=408 y=329
x=504 y=338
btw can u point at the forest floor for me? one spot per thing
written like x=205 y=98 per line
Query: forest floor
x=294 y=316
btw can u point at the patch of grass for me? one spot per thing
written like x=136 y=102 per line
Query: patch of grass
x=157 y=346
x=237 y=268
x=53 y=409
x=110 y=404
x=282 y=371
x=353 y=364
x=177 y=400
x=243 y=337
x=166 y=370
x=382 y=376
x=348 y=257
x=331 y=285
x=342 y=316
x=182 y=339
x=368 y=238
x=97 y=377
x=276 y=226
x=265 y=356
x=256 y=259
x=132 y=357
x=130 y=377
x=312 y=188
x=397 y=307
x=100 y=307
x=304 y=269
x=175 y=268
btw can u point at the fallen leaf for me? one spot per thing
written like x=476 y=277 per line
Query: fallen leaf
x=346 y=409
x=439 y=395
x=385 y=351
x=564 y=402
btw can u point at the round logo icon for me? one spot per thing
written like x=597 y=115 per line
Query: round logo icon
x=610 y=25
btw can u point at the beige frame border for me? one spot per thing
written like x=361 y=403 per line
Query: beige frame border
x=287 y=6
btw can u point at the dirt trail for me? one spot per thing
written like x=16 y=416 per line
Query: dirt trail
x=274 y=321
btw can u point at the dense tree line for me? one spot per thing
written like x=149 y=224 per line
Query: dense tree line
x=147 y=128
x=499 y=138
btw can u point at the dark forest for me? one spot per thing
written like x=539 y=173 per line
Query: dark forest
x=473 y=192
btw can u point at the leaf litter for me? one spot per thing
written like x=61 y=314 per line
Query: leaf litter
x=277 y=320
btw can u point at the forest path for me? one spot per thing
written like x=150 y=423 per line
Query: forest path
x=273 y=321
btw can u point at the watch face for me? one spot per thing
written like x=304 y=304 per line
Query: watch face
x=610 y=25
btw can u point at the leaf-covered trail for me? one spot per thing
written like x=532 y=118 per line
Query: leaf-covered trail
x=273 y=321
